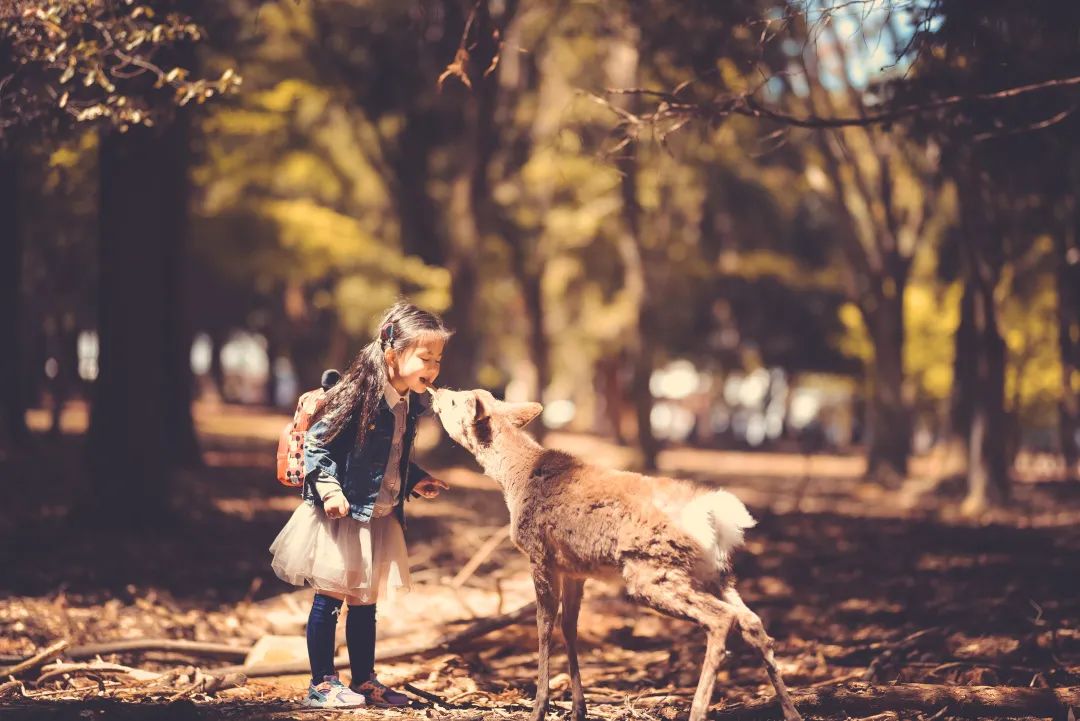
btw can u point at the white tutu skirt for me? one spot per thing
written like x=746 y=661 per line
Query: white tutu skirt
x=366 y=562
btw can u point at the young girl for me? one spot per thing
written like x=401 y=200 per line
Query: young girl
x=347 y=538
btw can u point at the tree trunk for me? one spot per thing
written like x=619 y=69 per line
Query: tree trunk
x=622 y=71
x=539 y=347
x=218 y=338
x=135 y=419
x=421 y=234
x=183 y=443
x=469 y=194
x=641 y=348
x=987 y=473
x=1068 y=292
x=462 y=359
x=953 y=457
x=987 y=453
x=11 y=360
x=890 y=418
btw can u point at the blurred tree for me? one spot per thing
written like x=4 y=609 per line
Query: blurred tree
x=1015 y=164
x=98 y=64
x=58 y=198
x=887 y=189
x=433 y=139
x=12 y=374
x=298 y=228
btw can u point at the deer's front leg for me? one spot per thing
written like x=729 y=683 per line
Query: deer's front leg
x=571 y=605
x=547 y=606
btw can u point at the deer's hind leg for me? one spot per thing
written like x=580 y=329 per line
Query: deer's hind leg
x=753 y=631
x=572 y=589
x=673 y=593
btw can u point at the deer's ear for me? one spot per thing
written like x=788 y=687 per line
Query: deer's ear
x=521 y=413
x=483 y=406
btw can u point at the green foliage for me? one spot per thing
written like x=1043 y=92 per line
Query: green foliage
x=290 y=196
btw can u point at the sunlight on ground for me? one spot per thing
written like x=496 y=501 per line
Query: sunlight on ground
x=780 y=482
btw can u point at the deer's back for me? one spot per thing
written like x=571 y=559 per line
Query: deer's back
x=588 y=520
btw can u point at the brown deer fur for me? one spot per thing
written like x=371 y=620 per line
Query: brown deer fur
x=668 y=540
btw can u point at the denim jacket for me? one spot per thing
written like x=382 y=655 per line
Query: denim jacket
x=358 y=469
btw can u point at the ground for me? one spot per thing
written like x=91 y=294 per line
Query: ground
x=852 y=580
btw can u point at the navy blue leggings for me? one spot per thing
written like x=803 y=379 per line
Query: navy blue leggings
x=321 y=627
x=359 y=637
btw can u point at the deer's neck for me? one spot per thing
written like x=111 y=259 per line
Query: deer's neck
x=510 y=459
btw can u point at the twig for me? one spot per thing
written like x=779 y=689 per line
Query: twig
x=892 y=649
x=8 y=687
x=839 y=679
x=62 y=669
x=194 y=648
x=469 y=694
x=428 y=696
x=480 y=556
x=211 y=684
x=75 y=691
x=749 y=106
x=36 y=660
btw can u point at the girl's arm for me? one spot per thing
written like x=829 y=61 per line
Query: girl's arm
x=320 y=457
x=416 y=474
x=326 y=486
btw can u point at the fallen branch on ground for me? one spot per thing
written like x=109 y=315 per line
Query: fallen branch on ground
x=962 y=701
x=97 y=667
x=480 y=556
x=76 y=653
x=36 y=660
x=211 y=683
x=9 y=687
x=444 y=643
x=428 y=696
x=194 y=648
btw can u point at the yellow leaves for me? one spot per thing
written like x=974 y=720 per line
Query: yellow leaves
x=855 y=342
x=931 y=316
x=1029 y=326
x=238 y=121
x=287 y=93
x=325 y=242
x=731 y=76
x=307 y=173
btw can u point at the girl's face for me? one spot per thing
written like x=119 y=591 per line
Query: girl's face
x=417 y=366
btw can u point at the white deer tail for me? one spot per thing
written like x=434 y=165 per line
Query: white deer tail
x=716 y=520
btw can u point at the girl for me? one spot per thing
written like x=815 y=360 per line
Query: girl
x=347 y=539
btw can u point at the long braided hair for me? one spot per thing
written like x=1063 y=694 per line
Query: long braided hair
x=357 y=394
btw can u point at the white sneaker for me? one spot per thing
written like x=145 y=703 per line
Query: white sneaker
x=332 y=693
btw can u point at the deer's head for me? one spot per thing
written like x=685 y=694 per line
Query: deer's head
x=472 y=418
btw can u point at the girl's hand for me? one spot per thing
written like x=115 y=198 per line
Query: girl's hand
x=336 y=506
x=430 y=487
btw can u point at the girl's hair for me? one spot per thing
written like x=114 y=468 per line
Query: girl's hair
x=360 y=389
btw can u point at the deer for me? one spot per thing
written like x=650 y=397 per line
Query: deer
x=667 y=540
